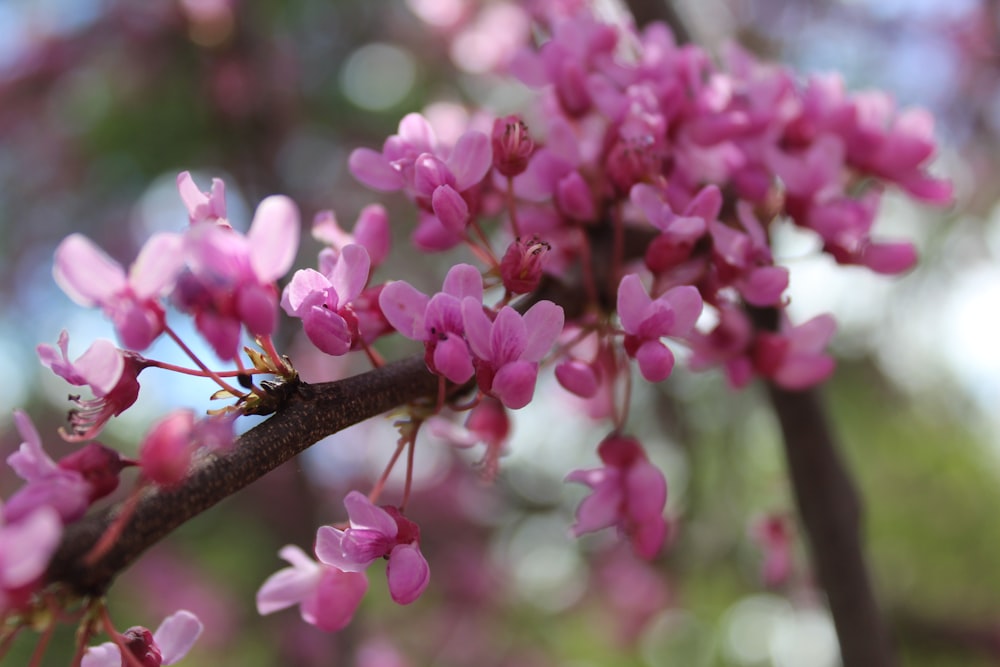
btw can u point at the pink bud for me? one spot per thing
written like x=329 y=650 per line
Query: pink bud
x=577 y=377
x=521 y=266
x=140 y=644
x=165 y=454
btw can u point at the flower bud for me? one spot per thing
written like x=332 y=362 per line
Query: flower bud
x=512 y=146
x=521 y=266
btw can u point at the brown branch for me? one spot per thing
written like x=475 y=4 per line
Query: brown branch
x=309 y=413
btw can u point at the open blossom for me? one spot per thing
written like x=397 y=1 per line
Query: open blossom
x=437 y=320
x=26 y=546
x=487 y=423
x=371 y=231
x=168 y=645
x=230 y=282
x=111 y=373
x=509 y=348
x=130 y=300
x=646 y=321
x=628 y=492
x=795 y=358
x=323 y=301
x=377 y=532
x=327 y=596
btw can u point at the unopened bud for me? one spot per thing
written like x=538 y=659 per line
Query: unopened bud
x=512 y=146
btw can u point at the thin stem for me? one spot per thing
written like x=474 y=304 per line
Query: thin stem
x=410 y=453
x=380 y=484
x=512 y=208
x=118 y=638
x=43 y=644
x=200 y=364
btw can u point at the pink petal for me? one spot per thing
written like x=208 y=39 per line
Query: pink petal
x=176 y=635
x=327 y=330
x=408 y=573
x=574 y=197
x=764 y=286
x=889 y=258
x=543 y=322
x=508 y=337
x=350 y=275
x=450 y=208
x=372 y=231
x=274 y=238
x=464 y=280
x=85 y=273
x=157 y=266
x=101 y=366
x=633 y=300
x=477 y=327
x=648 y=537
x=27 y=547
x=645 y=492
x=372 y=169
x=103 y=655
x=655 y=361
x=418 y=133
x=814 y=334
x=451 y=359
x=165 y=453
x=803 y=372
x=686 y=304
x=577 y=377
x=257 y=308
x=330 y=550
x=30 y=461
x=514 y=384
x=404 y=307
x=335 y=599
x=304 y=284
x=365 y=515
x=290 y=585
x=471 y=158
x=598 y=510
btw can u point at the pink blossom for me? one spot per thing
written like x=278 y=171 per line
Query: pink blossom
x=727 y=344
x=26 y=546
x=679 y=232
x=377 y=532
x=166 y=452
x=628 y=492
x=203 y=206
x=168 y=645
x=231 y=278
x=48 y=485
x=521 y=266
x=437 y=320
x=795 y=358
x=487 y=423
x=772 y=534
x=509 y=348
x=327 y=597
x=322 y=302
x=646 y=321
x=111 y=373
x=512 y=145
x=132 y=301
x=371 y=231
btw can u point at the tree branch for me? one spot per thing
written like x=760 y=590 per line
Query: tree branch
x=309 y=413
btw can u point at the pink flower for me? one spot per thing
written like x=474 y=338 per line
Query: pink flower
x=166 y=451
x=168 y=645
x=111 y=373
x=646 y=321
x=371 y=231
x=509 y=348
x=26 y=546
x=521 y=266
x=487 y=423
x=377 y=532
x=231 y=279
x=795 y=358
x=203 y=206
x=437 y=320
x=132 y=301
x=512 y=145
x=327 y=597
x=772 y=534
x=323 y=301
x=728 y=344
x=680 y=233
x=628 y=492
x=48 y=485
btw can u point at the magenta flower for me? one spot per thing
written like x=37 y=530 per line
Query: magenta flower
x=371 y=231
x=679 y=233
x=322 y=302
x=628 y=492
x=203 y=206
x=795 y=358
x=377 y=532
x=48 y=484
x=437 y=320
x=168 y=645
x=111 y=373
x=509 y=348
x=646 y=321
x=327 y=597
x=26 y=546
x=166 y=452
x=512 y=145
x=487 y=423
x=231 y=278
x=521 y=266
x=772 y=534
x=131 y=301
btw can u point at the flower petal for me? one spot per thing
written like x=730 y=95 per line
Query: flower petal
x=176 y=635
x=408 y=573
x=274 y=238
x=85 y=272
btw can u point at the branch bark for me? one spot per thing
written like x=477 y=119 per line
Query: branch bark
x=309 y=413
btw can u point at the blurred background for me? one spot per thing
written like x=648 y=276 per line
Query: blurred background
x=103 y=102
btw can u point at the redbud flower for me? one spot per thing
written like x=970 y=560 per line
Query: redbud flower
x=509 y=348
x=371 y=231
x=327 y=597
x=646 y=320
x=628 y=492
x=773 y=535
x=168 y=645
x=487 y=423
x=166 y=451
x=26 y=546
x=323 y=301
x=512 y=145
x=377 y=532
x=795 y=358
x=111 y=373
x=437 y=320
x=91 y=278
x=521 y=266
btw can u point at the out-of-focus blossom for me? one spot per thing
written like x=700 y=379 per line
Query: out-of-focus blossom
x=327 y=596
x=168 y=645
x=26 y=546
x=772 y=534
x=203 y=206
